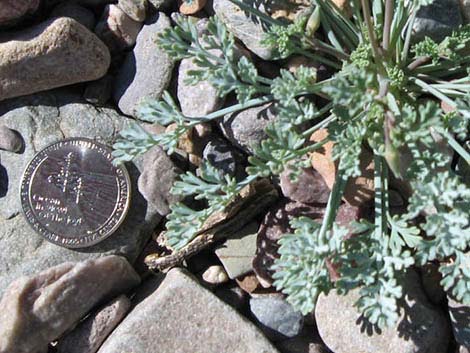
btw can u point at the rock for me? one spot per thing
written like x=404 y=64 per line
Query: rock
x=215 y=275
x=37 y=310
x=56 y=53
x=88 y=336
x=344 y=6
x=225 y=158
x=190 y=7
x=199 y=99
x=308 y=341
x=276 y=223
x=437 y=20
x=237 y=253
x=462 y=349
x=309 y=188
x=13 y=10
x=43 y=119
x=322 y=159
x=160 y=4
x=161 y=321
x=116 y=29
x=146 y=72
x=465 y=9
x=245 y=27
x=157 y=178
x=460 y=321
x=245 y=129
x=100 y=91
x=10 y=140
x=421 y=327
x=249 y=283
x=430 y=279
x=79 y=13
x=277 y=318
x=135 y=9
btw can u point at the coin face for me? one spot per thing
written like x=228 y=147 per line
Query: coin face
x=73 y=195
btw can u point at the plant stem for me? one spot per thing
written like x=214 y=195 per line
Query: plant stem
x=454 y=144
x=435 y=92
x=372 y=37
x=418 y=62
x=387 y=24
x=406 y=47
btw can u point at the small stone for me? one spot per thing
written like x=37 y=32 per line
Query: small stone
x=237 y=252
x=322 y=159
x=146 y=72
x=10 y=140
x=181 y=311
x=88 y=336
x=190 y=7
x=431 y=281
x=78 y=13
x=160 y=4
x=460 y=321
x=225 y=158
x=245 y=129
x=277 y=318
x=99 y=92
x=215 y=275
x=13 y=10
x=157 y=178
x=245 y=27
x=37 y=310
x=249 y=283
x=116 y=29
x=135 y=9
x=309 y=187
x=465 y=9
x=437 y=20
x=420 y=328
x=56 y=53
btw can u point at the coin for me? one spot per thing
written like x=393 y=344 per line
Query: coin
x=73 y=195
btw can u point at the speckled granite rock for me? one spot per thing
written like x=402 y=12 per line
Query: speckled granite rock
x=55 y=53
x=43 y=119
x=37 y=310
x=161 y=323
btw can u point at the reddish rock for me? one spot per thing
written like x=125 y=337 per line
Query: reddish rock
x=309 y=187
x=190 y=7
x=13 y=10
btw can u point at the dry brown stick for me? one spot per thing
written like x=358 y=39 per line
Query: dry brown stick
x=252 y=200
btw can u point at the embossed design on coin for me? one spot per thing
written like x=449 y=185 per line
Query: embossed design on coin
x=73 y=195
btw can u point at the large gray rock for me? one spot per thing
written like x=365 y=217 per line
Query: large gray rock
x=37 y=310
x=13 y=10
x=245 y=27
x=276 y=317
x=88 y=336
x=147 y=70
x=245 y=129
x=41 y=120
x=437 y=20
x=56 y=53
x=181 y=316
x=421 y=327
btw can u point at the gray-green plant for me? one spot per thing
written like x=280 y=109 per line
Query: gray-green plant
x=385 y=96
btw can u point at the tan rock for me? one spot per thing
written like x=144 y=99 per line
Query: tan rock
x=56 y=53
x=215 y=275
x=135 y=9
x=88 y=336
x=37 y=310
x=322 y=159
x=190 y=7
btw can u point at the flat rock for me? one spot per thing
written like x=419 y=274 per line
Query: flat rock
x=56 y=53
x=37 y=310
x=157 y=178
x=421 y=327
x=245 y=27
x=79 y=13
x=437 y=20
x=88 y=336
x=41 y=120
x=460 y=320
x=276 y=317
x=135 y=9
x=146 y=71
x=13 y=10
x=245 y=129
x=161 y=322
x=237 y=252
x=116 y=29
